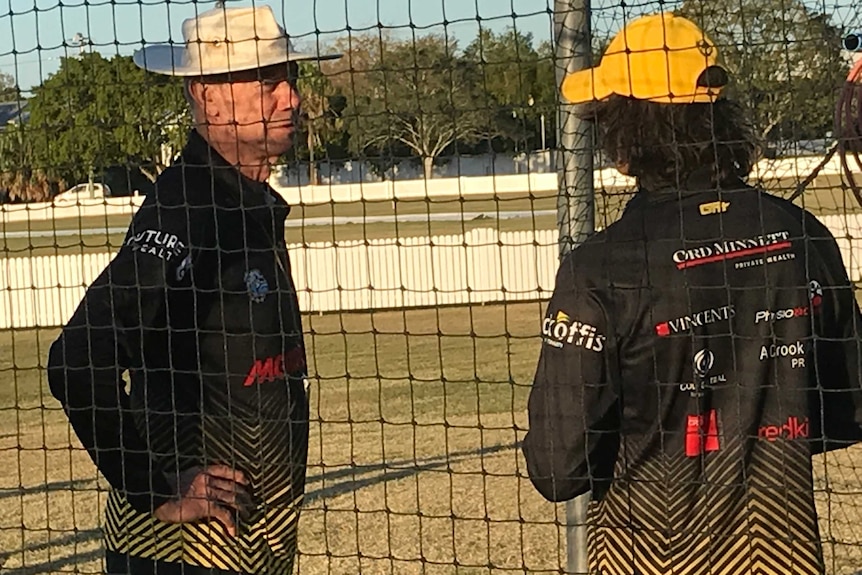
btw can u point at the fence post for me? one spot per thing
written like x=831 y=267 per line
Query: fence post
x=575 y=209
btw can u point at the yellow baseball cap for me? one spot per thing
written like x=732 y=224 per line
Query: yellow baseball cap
x=661 y=58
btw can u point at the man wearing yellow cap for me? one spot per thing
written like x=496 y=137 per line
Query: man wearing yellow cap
x=700 y=350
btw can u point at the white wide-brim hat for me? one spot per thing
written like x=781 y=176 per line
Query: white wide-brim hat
x=224 y=40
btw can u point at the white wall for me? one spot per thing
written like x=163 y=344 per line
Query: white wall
x=464 y=186
x=356 y=171
x=46 y=211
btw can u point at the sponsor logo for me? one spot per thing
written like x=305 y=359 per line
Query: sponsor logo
x=561 y=329
x=795 y=351
x=699 y=319
x=815 y=298
x=793 y=428
x=274 y=368
x=735 y=249
x=163 y=245
x=704 y=360
x=713 y=208
x=184 y=267
x=265 y=371
x=815 y=293
x=702 y=364
x=778 y=315
x=775 y=350
x=257 y=285
x=701 y=433
x=782 y=257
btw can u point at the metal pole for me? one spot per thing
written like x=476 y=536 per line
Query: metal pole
x=575 y=209
x=575 y=212
x=544 y=147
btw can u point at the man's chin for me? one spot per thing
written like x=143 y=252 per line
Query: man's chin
x=276 y=144
x=279 y=138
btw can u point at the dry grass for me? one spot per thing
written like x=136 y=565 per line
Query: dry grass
x=838 y=478
x=413 y=462
x=413 y=458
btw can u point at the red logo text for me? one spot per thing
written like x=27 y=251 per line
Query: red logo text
x=265 y=370
x=273 y=368
x=793 y=428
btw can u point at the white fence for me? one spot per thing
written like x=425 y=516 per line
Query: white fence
x=483 y=265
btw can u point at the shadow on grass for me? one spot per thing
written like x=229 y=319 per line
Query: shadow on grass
x=346 y=480
x=55 y=544
x=74 y=485
x=358 y=475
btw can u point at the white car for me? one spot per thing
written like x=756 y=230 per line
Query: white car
x=83 y=191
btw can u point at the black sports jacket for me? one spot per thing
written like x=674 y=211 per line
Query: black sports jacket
x=696 y=353
x=199 y=309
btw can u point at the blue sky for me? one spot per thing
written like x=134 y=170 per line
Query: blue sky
x=34 y=34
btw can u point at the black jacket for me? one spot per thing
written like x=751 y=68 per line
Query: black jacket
x=199 y=309
x=696 y=353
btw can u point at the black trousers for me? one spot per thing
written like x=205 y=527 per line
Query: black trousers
x=121 y=564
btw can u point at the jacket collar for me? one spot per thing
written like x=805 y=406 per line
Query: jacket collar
x=698 y=182
x=230 y=188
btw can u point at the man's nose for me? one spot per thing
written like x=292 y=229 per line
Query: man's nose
x=289 y=98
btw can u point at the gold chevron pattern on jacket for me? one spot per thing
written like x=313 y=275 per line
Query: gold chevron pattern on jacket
x=272 y=452
x=204 y=544
x=716 y=515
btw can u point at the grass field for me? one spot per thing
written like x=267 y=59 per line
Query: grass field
x=413 y=464
x=438 y=395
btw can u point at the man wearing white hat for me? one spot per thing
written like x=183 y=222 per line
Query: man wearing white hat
x=205 y=446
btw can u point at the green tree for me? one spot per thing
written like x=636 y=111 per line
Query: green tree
x=96 y=112
x=353 y=75
x=321 y=107
x=516 y=81
x=9 y=91
x=21 y=180
x=418 y=95
x=784 y=58
x=549 y=97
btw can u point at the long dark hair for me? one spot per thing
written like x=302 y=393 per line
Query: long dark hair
x=667 y=142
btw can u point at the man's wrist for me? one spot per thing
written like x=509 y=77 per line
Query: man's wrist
x=147 y=502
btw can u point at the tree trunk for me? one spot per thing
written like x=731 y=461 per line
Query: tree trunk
x=427 y=166
x=150 y=175
x=313 y=176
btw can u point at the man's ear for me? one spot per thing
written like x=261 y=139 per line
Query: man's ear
x=203 y=95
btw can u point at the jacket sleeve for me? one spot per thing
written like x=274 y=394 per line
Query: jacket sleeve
x=572 y=442
x=106 y=336
x=837 y=393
